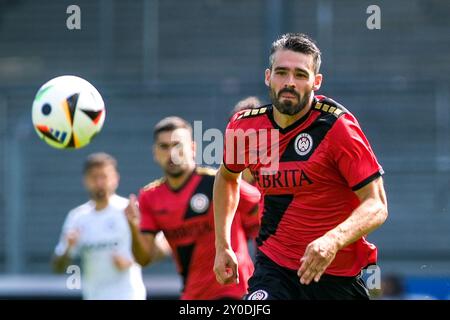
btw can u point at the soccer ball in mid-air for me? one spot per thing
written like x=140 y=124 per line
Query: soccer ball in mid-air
x=68 y=112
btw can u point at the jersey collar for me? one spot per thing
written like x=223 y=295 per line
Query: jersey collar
x=185 y=183
x=293 y=125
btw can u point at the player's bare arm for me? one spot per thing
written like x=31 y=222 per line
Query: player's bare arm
x=225 y=199
x=143 y=244
x=368 y=216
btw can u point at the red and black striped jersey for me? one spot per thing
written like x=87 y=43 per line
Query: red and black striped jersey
x=307 y=174
x=186 y=218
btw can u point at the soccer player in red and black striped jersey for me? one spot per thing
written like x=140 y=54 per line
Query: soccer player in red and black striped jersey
x=321 y=183
x=180 y=205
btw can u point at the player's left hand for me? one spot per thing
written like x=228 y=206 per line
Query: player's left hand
x=132 y=211
x=318 y=256
x=121 y=262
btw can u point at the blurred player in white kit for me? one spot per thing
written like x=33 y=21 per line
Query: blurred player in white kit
x=98 y=232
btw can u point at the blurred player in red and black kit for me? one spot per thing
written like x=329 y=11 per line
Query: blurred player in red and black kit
x=323 y=193
x=180 y=205
x=245 y=104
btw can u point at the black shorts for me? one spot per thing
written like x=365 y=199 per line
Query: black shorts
x=273 y=282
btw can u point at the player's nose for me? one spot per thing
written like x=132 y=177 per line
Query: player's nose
x=290 y=81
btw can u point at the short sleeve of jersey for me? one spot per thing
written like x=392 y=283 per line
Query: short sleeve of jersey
x=232 y=155
x=248 y=209
x=68 y=226
x=148 y=223
x=352 y=152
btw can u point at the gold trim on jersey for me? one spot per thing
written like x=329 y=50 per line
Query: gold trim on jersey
x=154 y=184
x=252 y=112
x=335 y=110
x=205 y=171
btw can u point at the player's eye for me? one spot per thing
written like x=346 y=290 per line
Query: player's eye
x=281 y=72
x=164 y=146
x=301 y=76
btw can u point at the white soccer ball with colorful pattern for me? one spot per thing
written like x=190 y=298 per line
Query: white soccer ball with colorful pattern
x=68 y=112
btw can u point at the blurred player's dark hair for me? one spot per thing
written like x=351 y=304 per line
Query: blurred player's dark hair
x=246 y=103
x=297 y=42
x=170 y=124
x=98 y=159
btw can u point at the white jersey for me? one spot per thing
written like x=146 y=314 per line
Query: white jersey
x=103 y=234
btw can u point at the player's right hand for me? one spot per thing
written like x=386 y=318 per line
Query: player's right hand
x=132 y=211
x=226 y=266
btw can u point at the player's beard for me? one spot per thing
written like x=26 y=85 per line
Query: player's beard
x=98 y=195
x=174 y=171
x=286 y=106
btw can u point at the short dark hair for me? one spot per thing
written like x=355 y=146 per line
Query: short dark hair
x=170 y=124
x=98 y=159
x=297 y=42
x=247 y=103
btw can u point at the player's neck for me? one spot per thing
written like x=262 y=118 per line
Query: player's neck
x=101 y=204
x=176 y=183
x=285 y=120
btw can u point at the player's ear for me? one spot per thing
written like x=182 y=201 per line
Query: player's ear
x=267 y=77
x=85 y=181
x=317 y=81
x=154 y=152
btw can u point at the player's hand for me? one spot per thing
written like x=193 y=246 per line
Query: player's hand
x=121 y=262
x=226 y=266
x=132 y=211
x=72 y=238
x=318 y=256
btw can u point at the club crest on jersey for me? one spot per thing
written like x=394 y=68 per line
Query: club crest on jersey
x=303 y=144
x=199 y=203
x=258 y=295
